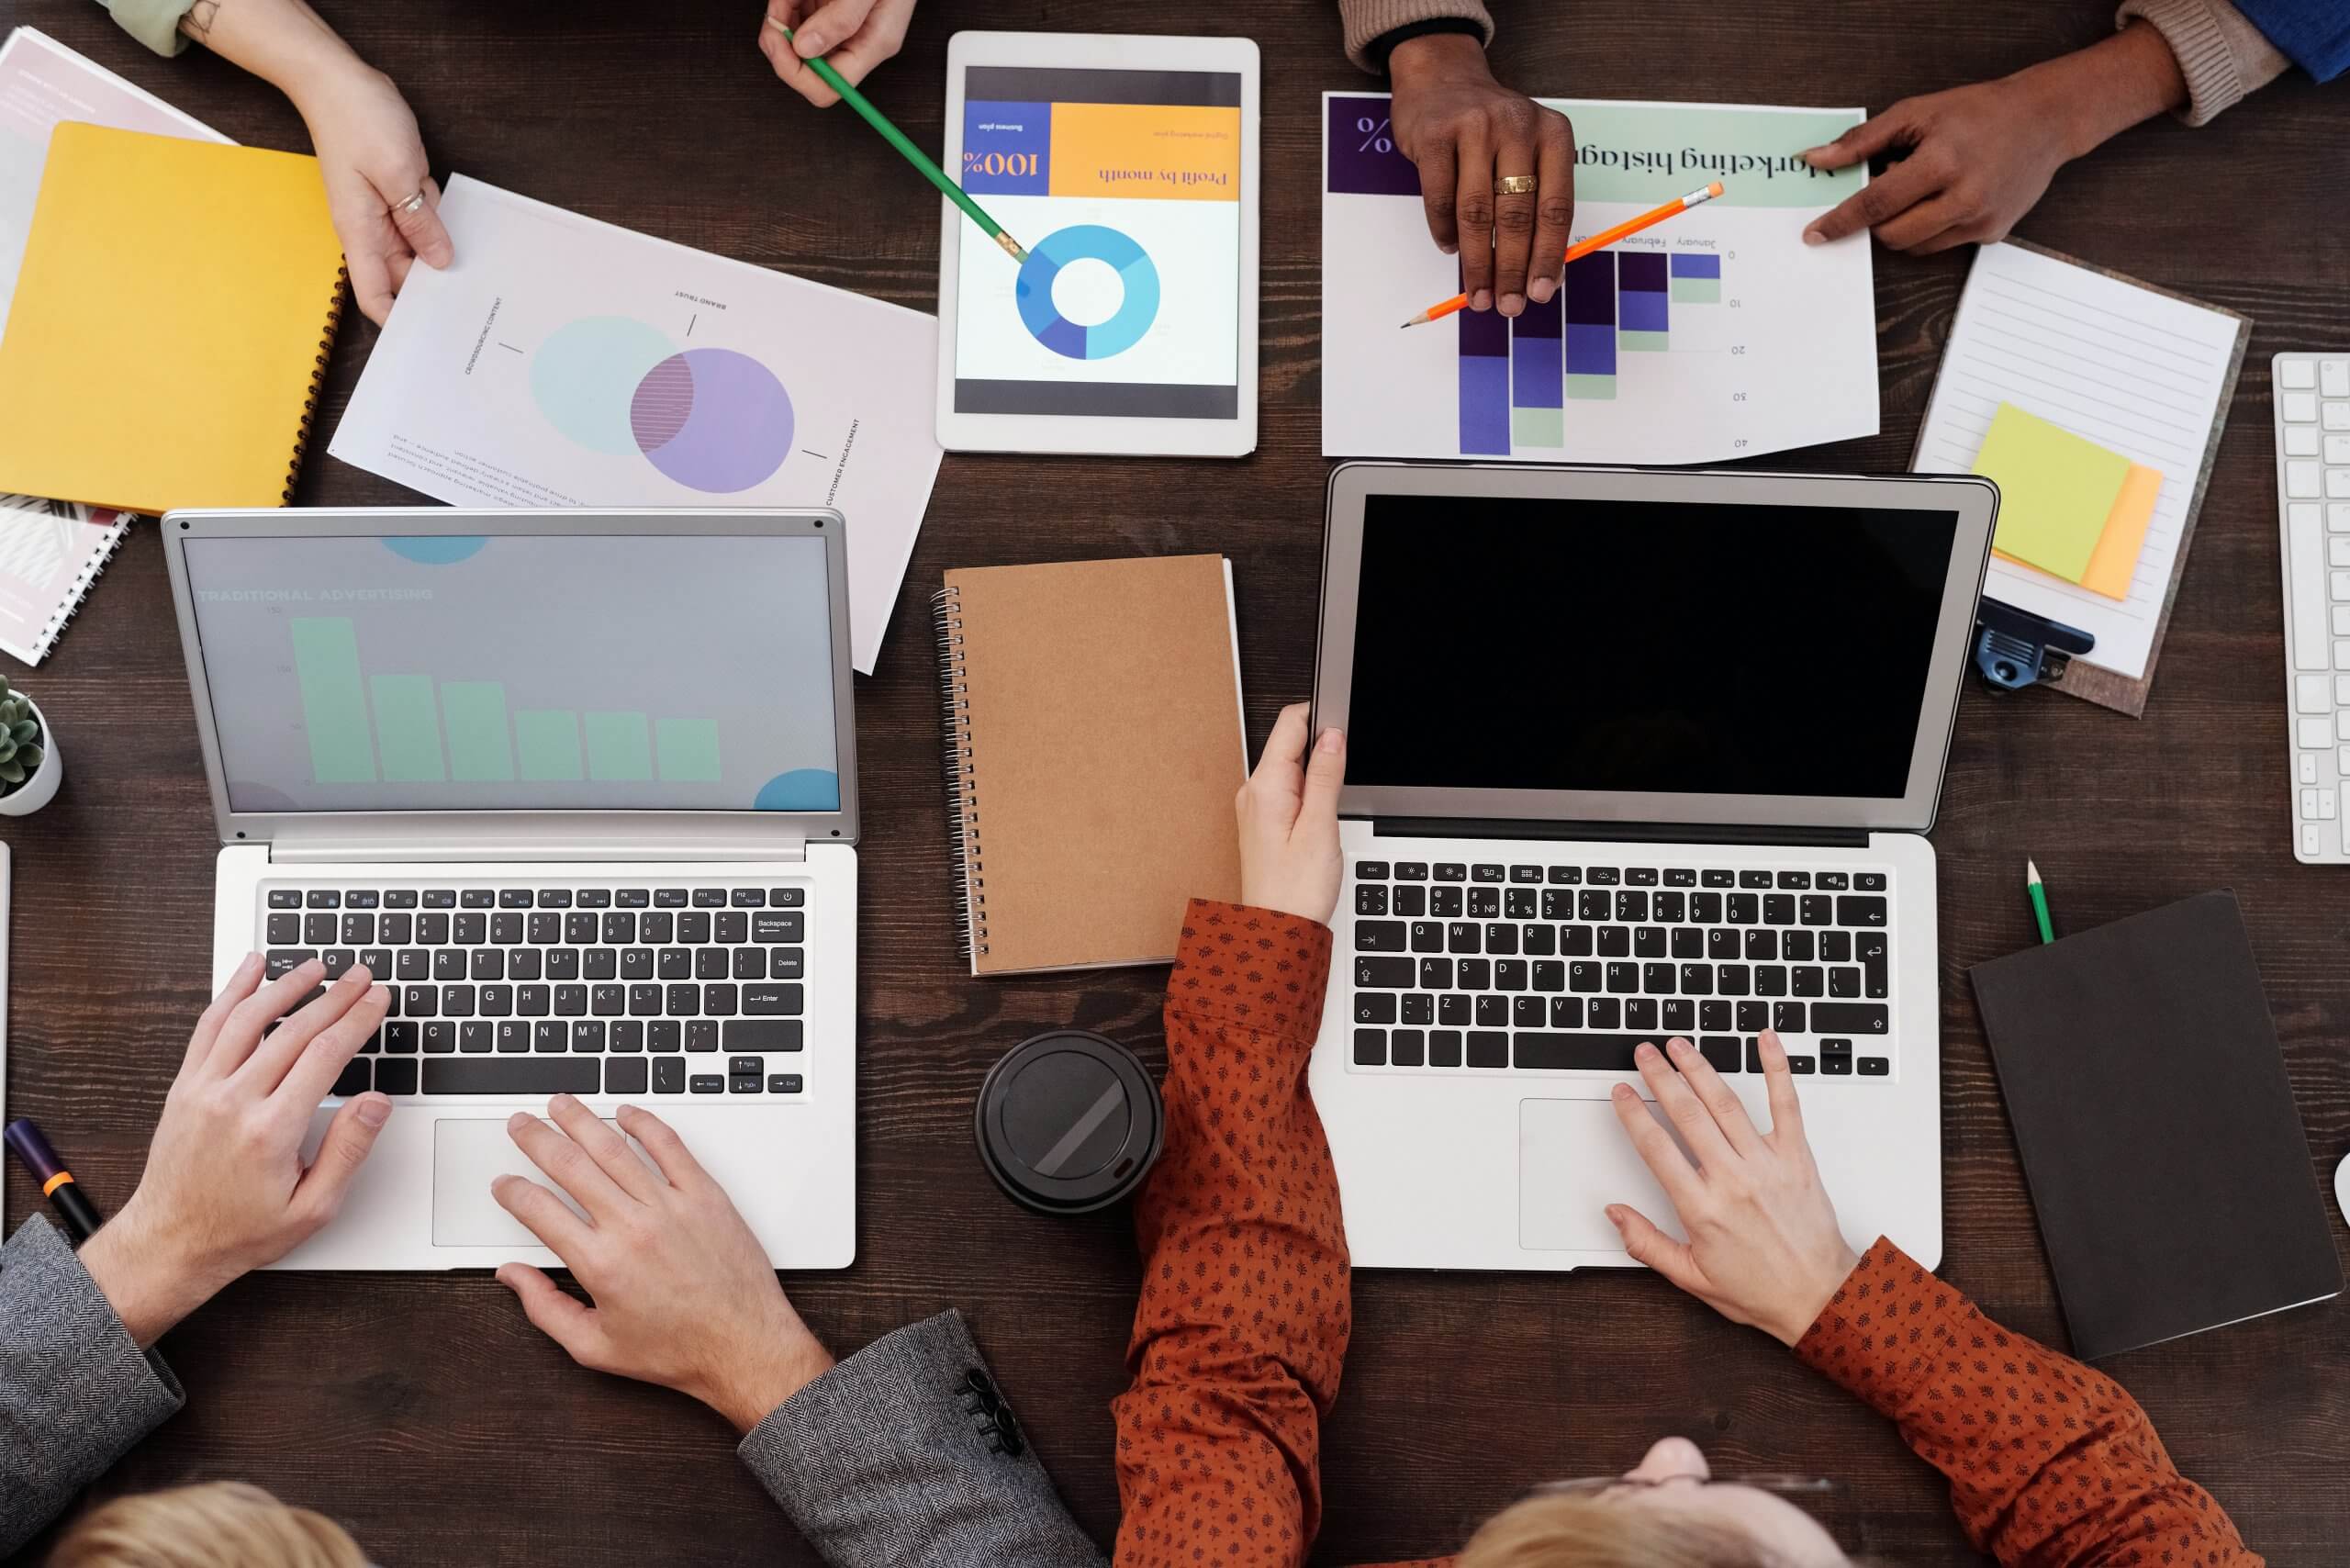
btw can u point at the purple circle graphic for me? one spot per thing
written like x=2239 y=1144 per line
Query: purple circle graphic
x=712 y=420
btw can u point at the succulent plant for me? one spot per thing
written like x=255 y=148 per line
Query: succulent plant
x=21 y=749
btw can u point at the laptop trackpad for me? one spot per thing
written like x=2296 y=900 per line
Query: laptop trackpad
x=1572 y=1161
x=467 y=1156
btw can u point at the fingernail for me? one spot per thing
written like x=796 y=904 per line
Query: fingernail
x=1810 y=153
x=1512 y=304
x=1642 y=1052
x=1540 y=290
x=374 y=1110
x=519 y=1120
x=808 y=42
x=1331 y=741
x=1449 y=249
x=501 y=1275
x=1481 y=300
x=1621 y=1091
x=562 y=1103
x=1615 y=1214
x=1678 y=1046
x=1814 y=237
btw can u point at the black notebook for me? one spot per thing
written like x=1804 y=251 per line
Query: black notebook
x=2167 y=1163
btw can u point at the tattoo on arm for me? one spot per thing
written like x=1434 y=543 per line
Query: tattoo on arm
x=197 y=23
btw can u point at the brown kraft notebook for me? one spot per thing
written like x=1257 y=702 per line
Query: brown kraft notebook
x=1093 y=746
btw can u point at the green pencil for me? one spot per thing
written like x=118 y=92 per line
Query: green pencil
x=2039 y=900
x=912 y=154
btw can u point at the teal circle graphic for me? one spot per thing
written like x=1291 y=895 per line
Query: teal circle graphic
x=1103 y=339
x=436 y=549
x=585 y=374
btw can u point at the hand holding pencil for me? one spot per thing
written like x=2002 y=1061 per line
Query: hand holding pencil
x=854 y=36
x=1600 y=241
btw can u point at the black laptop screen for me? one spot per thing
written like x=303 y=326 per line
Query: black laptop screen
x=1525 y=644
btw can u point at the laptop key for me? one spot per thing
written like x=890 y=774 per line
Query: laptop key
x=550 y=1037
x=706 y=1083
x=283 y=961
x=1850 y=1017
x=286 y=898
x=710 y=898
x=587 y=1036
x=702 y=1034
x=1647 y=941
x=1409 y=1047
x=284 y=929
x=320 y=930
x=477 y=898
x=396 y=1077
x=1722 y=1052
x=448 y=963
x=1488 y=1047
x=1419 y=1009
x=665 y=1036
x=594 y=897
x=1444 y=1047
x=627 y=1034
x=439 y=898
x=1876 y=1067
x=1568 y=875
x=401 y=1037
x=1859 y=911
x=1605 y=1013
x=764 y=1035
x=1379 y=1006
x=627 y=1077
x=513 y=1076
x=476 y=1038
x=440 y=1037
x=323 y=898
x=512 y=1037
x=1384 y=974
x=1550 y=1052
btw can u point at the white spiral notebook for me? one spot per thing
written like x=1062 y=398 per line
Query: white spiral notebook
x=51 y=552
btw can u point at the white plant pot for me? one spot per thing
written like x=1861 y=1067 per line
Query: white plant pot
x=42 y=788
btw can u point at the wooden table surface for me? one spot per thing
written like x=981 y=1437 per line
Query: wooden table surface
x=424 y=1412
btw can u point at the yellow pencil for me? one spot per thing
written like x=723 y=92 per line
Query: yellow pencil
x=1600 y=241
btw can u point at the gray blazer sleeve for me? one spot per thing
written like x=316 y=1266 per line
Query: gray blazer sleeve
x=907 y=1454
x=76 y=1394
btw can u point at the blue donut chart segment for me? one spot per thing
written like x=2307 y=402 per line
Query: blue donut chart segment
x=1088 y=241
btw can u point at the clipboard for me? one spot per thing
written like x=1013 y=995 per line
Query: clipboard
x=2038 y=647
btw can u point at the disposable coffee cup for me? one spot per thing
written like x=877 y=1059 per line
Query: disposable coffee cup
x=1068 y=1121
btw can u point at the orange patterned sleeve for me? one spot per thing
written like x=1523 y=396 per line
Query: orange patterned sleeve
x=2050 y=1464
x=1242 y=1325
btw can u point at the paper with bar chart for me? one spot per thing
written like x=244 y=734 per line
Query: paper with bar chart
x=564 y=362
x=519 y=672
x=1716 y=334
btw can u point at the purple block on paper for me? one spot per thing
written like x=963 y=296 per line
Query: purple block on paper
x=1537 y=320
x=1643 y=311
x=1591 y=350
x=1483 y=332
x=1484 y=406
x=1590 y=291
x=1007 y=148
x=1643 y=269
x=1364 y=157
x=1536 y=373
x=1691 y=264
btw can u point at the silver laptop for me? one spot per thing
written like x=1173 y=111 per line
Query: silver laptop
x=1631 y=756
x=581 y=787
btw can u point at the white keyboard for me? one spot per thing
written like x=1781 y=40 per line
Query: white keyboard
x=2314 y=493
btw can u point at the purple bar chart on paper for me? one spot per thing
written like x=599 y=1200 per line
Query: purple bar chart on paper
x=1641 y=293
x=1696 y=279
x=1589 y=297
x=1536 y=388
x=1485 y=383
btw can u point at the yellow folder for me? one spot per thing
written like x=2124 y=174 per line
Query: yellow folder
x=174 y=312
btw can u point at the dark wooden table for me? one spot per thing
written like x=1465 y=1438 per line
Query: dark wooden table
x=424 y=1411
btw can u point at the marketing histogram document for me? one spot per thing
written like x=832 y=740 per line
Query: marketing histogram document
x=1714 y=335
x=564 y=361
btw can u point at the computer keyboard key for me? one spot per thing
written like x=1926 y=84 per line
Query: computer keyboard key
x=1860 y=911
x=401 y=1037
x=1387 y=974
x=1605 y=1013
x=722 y=1001
x=496 y=1001
x=1379 y=1006
x=1844 y=981
x=471 y=930
x=1454 y=1011
x=1647 y=941
x=587 y=1037
x=1809 y=981
x=1575 y=1053
x=1485 y=903
x=488 y=964
x=1488 y=1047
x=283 y=961
x=1753 y=1017
x=764 y=1034
x=1849 y=1017
x=1715 y=1016
x=1615 y=941
x=1371 y=870
x=1778 y=908
x=519 y=1076
x=706 y=1083
x=551 y=1036
x=1787 y=1017
x=670 y=1076
x=665 y=1036
x=733 y=925
x=1408 y=1048
x=1680 y=1016
x=1444 y=1047
x=324 y=898
x=626 y=1035
x=710 y=898
x=1799 y=1066
x=1745 y=909
x=1411 y=870
x=1410 y=901
x=1486 y=873
x=1566 y=1013
x=1876 y=1067
x=1722 y=1052
x=1734 y=980
x=711 y=963
x=1836 y=1067
x=320 y=930
x=1567 y=874
x=594 y=897
x=626 y=1076
x=1378 y=936
x=570 y=1001
x=1770 y=980
x=284 y=929
x=1371 y=1047
x=644 y=999
x=505 y=928
x=1371 y=898
x=1526 y=873
x=1492 y=1011
x=1868 y=881
x=512 y=1037
x=420 y=1001
x=286 y=898
x=440 y=1037
x=1604 y=876
x=1639 y=1013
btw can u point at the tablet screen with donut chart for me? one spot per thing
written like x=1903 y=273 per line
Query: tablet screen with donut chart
x=1125 y=185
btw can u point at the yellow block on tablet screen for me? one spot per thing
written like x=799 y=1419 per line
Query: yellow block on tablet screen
x=2056 y=490
x=1154 y=151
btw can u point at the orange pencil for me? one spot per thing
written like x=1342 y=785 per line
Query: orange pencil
x=1582 y=248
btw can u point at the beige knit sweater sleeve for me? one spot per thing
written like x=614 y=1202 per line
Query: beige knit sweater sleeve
x=2221 y=55
x=1367 y=20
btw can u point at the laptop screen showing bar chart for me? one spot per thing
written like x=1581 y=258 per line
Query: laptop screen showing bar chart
x=530 y=672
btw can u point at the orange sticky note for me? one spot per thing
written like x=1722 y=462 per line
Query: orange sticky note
x=2115 y=560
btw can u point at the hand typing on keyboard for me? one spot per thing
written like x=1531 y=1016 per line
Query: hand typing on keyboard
x=1763 y=1248
x=1289 y=821
x=225 y=1189
x=683 y=1294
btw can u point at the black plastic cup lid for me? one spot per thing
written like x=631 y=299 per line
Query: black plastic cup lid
x=1068 y=1121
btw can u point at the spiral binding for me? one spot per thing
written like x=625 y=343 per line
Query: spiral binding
x=317 y=383
x=117 y=530
x=962 y=786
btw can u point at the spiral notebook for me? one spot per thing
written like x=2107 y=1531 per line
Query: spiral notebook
x=51 y=552
x=1093 y=744
x=172 y=320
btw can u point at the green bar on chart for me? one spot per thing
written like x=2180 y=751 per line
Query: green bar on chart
x=474 y=713
x=1591 y=389
x=334 y=705
x=620 y=747
x=689 y=750
x=550 y=741
x=1697 y=290
x=1538 y=427
x=408 y=728
x=1643 y=342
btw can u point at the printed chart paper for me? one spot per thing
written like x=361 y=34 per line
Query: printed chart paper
x=564 y=361
x=1716 y=334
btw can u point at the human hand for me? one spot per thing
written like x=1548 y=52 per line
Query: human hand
x=372 y=159
x=1980 y=156
x=1464 y=129
x=225 y=1189
x=1763 y=1248
x=683 y=1294
x=1289 y=821
x=854 y=36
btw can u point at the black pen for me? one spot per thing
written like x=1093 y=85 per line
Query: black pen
x=57 y=1183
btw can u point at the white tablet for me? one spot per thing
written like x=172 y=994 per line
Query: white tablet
x=1127 y=167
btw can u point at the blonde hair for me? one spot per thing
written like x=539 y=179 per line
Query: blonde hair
x=224 y=1525
x=1590 y=1532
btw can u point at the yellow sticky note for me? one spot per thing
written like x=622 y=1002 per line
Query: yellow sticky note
x=2115 y=560
x=2055 y=491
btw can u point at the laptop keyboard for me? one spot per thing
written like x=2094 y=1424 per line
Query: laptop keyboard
x=1550 y=968
x=533 y=991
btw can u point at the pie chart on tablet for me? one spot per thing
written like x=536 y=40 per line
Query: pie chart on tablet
x=713 y=420
x=1097 y=263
